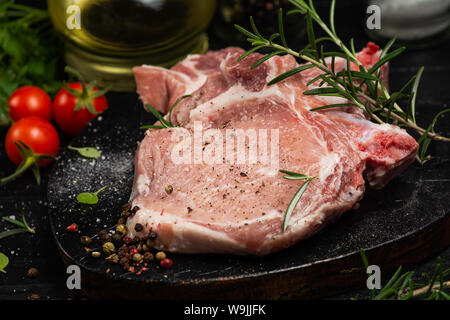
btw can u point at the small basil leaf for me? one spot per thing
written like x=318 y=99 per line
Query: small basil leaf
x=4 y=261
x=87 y=152
x=87 y=198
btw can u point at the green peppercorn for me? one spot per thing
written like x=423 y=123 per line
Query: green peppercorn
x=114 y=258
x=169 y=189
x=122 y=229
x=137 y=257
x=96 y=254
x=108 y=248
x=160 y=255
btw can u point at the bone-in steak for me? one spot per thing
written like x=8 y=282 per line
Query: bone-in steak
x=203 y=192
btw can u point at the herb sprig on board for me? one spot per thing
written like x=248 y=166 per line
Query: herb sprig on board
x=362 y=88
x=23 y=227
x=401 y=286
x=29 y=52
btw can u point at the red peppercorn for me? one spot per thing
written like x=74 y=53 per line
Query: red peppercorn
x=72 y=228
x=166 y=263
x=127 y=240
x=133 y=251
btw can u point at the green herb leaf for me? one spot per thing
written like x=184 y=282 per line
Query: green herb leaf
x=290 y=175
x=89 y=198
x=289 y=73
x=87 y=152
x=4 y=261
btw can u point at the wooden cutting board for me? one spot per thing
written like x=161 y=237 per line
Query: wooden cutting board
x=404 y=223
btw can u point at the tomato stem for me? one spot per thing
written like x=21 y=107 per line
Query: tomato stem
x=20 y=169
x=30 y=161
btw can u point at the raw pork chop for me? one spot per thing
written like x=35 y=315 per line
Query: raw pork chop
x=227 y=206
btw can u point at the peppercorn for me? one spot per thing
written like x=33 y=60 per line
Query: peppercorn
x=34 y=296
x=133 y=251
x=101 y=233
x=137 y=258
x=116 y=238
x=169 y=189
x=72 y=228
x=148 y=256
x=126 y=207
x=32 y=273
x=166 y=263
x=139 y=248
x=122 y=229
x=96 y=254
x=114 y=258
x=85 y=240
x=134 y=210
x=136 y=240
x=123 y=261
x=106 y=238
x=138 y=227
x=145 y=248
x=122 y=221
x=125 y=214
x=160 y=255
x=127 y=240
x=152 y=235
x=108 y=248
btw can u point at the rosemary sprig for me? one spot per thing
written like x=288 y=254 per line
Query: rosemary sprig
x=164 y=123
x=401 y=286
x=23 y=227
x=289 y=175
x=363 y=88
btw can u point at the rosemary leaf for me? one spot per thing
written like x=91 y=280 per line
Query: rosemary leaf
x=294 y=202
x=412 y=103
x=289 y=73
x=265 y=58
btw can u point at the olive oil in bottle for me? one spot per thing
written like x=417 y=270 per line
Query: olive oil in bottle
x=106 y=38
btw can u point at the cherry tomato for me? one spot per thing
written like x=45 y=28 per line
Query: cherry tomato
x=30 y=101
x=38 y=134
x=66 y=116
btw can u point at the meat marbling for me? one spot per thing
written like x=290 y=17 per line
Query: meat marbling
x=238 y=208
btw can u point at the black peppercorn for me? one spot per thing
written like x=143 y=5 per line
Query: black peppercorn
x=102 y=233
x=32 y=273
x=85 y=240
x=116 y=238
x=106 y=238
x=123 y=261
